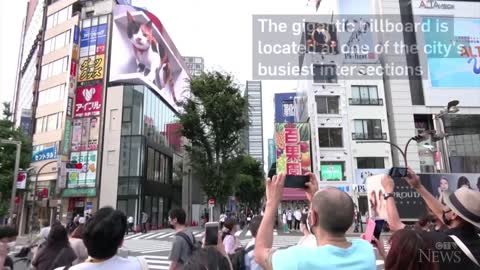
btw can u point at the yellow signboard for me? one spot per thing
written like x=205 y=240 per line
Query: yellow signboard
x=91 y=68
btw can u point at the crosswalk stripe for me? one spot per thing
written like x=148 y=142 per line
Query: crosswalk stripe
x=166 y=235
x=249 y=233
x=157 y=262
x=155 y=235
x=141 y=236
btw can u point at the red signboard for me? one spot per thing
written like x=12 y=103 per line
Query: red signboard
x=211 y=202
x=88 y=100
x=291 y=135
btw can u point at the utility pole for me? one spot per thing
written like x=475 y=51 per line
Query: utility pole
x=15 y=175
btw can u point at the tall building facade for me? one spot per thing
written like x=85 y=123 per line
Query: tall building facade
x=415 y=103
x=99 y=106
x=254 y=136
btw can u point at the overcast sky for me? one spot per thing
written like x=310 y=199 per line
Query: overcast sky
x=219 y=31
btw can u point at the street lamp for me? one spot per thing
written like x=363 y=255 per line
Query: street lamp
x=438 y=123
x=15 y=175
x=423 y=136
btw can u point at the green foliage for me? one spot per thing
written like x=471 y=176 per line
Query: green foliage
x=250 y=182
x=213 y=120
x=7 y=156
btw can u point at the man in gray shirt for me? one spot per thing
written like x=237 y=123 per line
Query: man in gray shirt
x=184 y=242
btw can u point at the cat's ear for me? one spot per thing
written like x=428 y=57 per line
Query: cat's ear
x=149 y=24
x=129 y=17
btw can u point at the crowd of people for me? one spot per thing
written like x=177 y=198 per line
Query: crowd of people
x=446 y=238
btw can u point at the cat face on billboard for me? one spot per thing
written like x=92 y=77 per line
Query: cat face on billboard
x=140 y=34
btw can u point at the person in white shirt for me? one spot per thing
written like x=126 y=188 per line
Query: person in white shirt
x=250 y=263
x=130 y=224
x=298 y=216
x=284 y=221
x=289 y=218
x=103 y=236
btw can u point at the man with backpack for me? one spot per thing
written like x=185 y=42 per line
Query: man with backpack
x=184 y=243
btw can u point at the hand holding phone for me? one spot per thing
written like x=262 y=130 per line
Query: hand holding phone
x=211 y=233
x=374 y=229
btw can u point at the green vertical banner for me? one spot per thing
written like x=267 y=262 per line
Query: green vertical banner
x=66 y=137
x=272 y=155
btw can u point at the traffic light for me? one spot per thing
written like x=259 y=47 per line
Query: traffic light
x=74 y=165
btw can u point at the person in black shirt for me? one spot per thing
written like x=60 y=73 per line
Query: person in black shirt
x=458 y=247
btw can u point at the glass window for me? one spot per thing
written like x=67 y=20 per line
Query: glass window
x=50 y=21
x=148 y=205
x=137 y=113
x=324 y=74
x=123 y=186
x=162 y=168
x=133 y=186
x=157 y=166
x=370 y=163
x=52 y=122
x=327 y=104
x=160 y=211
x=62 y=15
x=150 y=164
x=136 y=156
x=330 y=137
x=369 y=129
x=131 y=207
x=365 y=95
x=124 y=156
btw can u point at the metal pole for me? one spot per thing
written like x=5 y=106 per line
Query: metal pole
x=14 y=183
x=35 y=194
x=445 y=155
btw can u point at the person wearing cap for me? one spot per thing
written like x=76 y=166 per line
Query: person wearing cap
x=458 y=247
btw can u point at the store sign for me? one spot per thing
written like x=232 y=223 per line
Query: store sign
x=331 y=172
x=93 y=40
x=91 y=68
x=21 y=180
x=87 y=176
x=44 y=152
x=79 y=192
x=293 y=148
x=75 y=34
x=66 y=137
x=69 y=106
x=429 y=4
x=88 y=101
x=85 y=134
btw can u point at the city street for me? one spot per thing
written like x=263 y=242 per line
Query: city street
x=155 y=246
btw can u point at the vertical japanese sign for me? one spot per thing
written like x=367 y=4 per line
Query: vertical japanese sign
x=293 y=148
x=66 y=137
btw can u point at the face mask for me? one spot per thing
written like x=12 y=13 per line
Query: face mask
x=11 y=244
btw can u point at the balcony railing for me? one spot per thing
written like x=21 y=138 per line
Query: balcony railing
x=369 y=137
x=365 y=101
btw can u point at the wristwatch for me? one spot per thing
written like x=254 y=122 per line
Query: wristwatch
x=388 y=195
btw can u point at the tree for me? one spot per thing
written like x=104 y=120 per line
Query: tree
x=250 y=185
x=213 y=121
x=7 y=156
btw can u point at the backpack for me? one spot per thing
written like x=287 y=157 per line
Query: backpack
x=238 y=258
x=195 y=245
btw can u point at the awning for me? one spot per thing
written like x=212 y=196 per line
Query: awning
x=293 y=194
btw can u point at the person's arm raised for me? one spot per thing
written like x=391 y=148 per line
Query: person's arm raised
x=264 y=240
x=414 y=181
x=393 y=217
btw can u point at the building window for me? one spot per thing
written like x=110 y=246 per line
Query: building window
x=54 y=68
x=368 y=129
x=330 y=137
x=365 y=95
x=59 y=17
x=49 y=122
x=370 y=163
x=327 y=104
x=324 y=74
x=56 y=42
x=51 y=95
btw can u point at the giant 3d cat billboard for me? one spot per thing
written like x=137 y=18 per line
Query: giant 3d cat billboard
x=143 y=53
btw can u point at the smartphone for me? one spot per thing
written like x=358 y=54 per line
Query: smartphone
x=379 y=223
x=211 y=233
x=398 y=172
x=370 y=230
x=296 y=181
x=273 y=170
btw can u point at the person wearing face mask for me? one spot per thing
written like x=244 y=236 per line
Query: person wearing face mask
x=461 y=213
x=184 y=243
x=8 y=238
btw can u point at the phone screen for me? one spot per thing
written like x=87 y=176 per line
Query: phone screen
x=398 y=172
x=369 y=231
x=378 y=228
x=211 y=233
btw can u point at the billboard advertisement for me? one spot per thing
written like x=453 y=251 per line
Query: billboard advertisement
x=285 y=107
x=142 y=52
x=85 y=133
x=293 y=148
x=87 y=176
x=321 y=38
x=88 y=100
x=356 y=38
x=463 y=60
x=331 y=172
x=409 y=203
x=44 y=152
